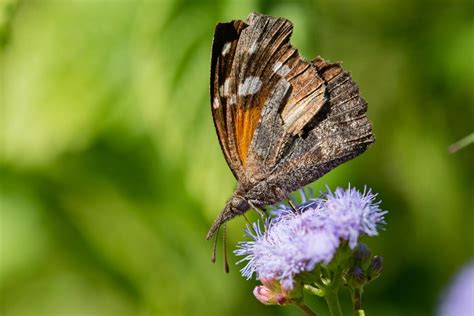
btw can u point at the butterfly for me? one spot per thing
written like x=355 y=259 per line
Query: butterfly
x=282 y=121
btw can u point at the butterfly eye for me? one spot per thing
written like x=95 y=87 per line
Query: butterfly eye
x=238 y=203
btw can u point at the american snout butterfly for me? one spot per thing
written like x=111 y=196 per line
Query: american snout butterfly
x=282 y=121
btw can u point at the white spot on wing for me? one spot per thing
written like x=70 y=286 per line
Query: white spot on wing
x=215 y=103
x=226 y=48
x=281 y=69
x=251 y=85
x=226 y=89
x=233 y=99
x=252 y=48
x=286 y=83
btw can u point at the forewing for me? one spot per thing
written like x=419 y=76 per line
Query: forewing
x=226 y=36
x=279 y=117
x=250 y=60
x=282 y=121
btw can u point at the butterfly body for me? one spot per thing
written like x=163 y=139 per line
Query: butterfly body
x=282 y=121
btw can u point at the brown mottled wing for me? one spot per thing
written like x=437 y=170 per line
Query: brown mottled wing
x=282 y=121
x=337 y=133
x=296 y=93
x=226 y=36
x=250 y=60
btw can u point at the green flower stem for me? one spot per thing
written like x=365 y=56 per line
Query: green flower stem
x=332 y=294
x=305 y=308
x=360 y=312
x=332 y=299
x=357 y=299
x=328 y=287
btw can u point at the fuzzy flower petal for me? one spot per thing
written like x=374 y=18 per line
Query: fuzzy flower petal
x=351 y=213
x=295 y=242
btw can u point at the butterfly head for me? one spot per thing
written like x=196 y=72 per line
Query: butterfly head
x=236 y=205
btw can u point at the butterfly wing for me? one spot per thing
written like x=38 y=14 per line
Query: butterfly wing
x=282 y=121
x=249 y=60
x=226 y=36
x=338 y=132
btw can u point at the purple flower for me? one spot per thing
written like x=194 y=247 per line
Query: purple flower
x=459 y=299
x=352 y=213
x=288 y=246
x=295 y=242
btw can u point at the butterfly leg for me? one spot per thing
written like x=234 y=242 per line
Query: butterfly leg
x=263 y=213
x=250 y=225
x=290 y=199
x=293 y=206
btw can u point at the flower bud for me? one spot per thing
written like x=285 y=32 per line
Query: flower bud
x=355 y=277
x=267 y=296
x=361 y=255
x=375 y=268
x=272 y=293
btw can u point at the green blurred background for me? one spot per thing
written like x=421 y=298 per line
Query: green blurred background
x=111 y=172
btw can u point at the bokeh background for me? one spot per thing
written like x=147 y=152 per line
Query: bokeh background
x=111 y=172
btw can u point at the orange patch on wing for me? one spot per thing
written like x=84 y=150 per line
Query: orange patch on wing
x=245 y=121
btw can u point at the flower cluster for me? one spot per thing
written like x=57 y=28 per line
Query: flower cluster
x=294 y=241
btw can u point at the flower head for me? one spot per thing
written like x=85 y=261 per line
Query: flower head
x=296 y=242
x=352 y=213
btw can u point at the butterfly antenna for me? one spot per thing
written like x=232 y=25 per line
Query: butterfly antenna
x=226 y=262
x=214 y=248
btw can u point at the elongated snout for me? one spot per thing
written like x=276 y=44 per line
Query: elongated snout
x=235 y=206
